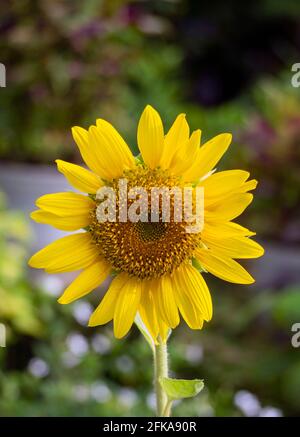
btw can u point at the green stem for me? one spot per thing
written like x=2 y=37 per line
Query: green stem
x=161 y=370
x=167 y=410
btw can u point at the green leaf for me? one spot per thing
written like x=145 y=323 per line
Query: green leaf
x=181 y=388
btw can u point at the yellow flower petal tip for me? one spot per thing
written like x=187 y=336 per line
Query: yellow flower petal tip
x=225 y=137
x=33 y=262
x=251 y=281
x=63 y=301
x=30 y=263
x=34 y=216
x=156 y=277
x=92 y=323
x=260 y=250
x=182 y=116
x=149 y=108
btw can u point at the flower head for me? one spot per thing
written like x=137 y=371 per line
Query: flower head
x=156 y=258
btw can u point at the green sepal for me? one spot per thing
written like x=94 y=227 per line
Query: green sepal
x=197 y=265
x=139 y=159
x=144 y=331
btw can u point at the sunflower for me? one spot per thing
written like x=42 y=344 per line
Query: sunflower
x=156 y=266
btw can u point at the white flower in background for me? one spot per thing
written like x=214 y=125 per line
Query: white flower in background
x=77 y=344
x=38 y=367
x=81 y=393
x=51 y=285
x=247 y=403
x=127 y=397
x=101 y=344
x=194 y=353
x=124 y=364
x=100 y=392
x=82 y=312
x=270 y=412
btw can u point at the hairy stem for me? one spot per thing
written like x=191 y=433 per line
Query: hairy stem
x=161 y=370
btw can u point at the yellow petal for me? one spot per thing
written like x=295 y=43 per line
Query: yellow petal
x=221 y=196
x=186 y=155
x=209 y=155
x=150 y=137
x=164 y=330
x=73 y=252
x=189 y=311
x=192 y=281
x=223 y=183
x=112 y=141
x=229 y=209
x=195 y=140
x=79 y=178
x=89 y=155
x=111 y=161
x=234 y=247
x=63 y=223
x=175 y=139
x=248 y=186
x=223 y=267
x=66 y=204
x=127 y=306
x=225 y=230
x=167 y=303
x=147 y=311
x=86 y=281
x=104 y=313
x=150 y=310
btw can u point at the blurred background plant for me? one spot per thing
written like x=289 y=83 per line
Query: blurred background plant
x=227 y=65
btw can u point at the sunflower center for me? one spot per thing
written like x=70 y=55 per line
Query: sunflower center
x=150 y=231
x=144 y=249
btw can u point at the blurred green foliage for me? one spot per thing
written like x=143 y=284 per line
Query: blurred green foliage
x=270 y=147
x=69 y=63
x=17 y=307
